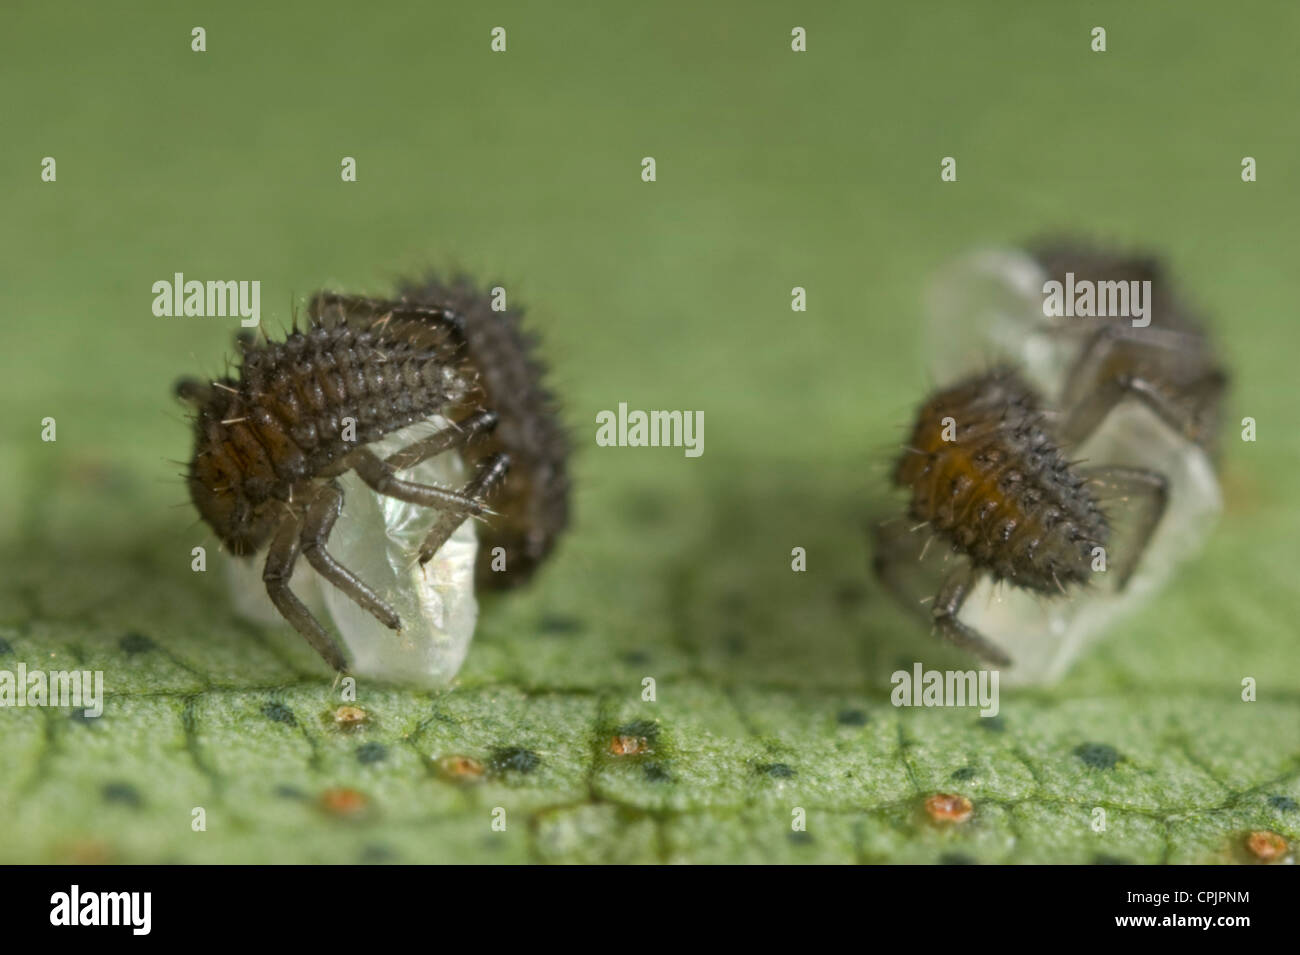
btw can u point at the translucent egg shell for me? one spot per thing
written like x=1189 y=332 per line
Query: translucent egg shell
x=378 y=538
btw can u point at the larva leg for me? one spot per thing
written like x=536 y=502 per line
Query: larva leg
x=947 y=605
x=457 y=435
x=322 y=512
x=441 y=330
x=378 y=474
x=483 y=484
x=280 y=558
x=1094 y=388
x=899 y=565
x=1151 y=491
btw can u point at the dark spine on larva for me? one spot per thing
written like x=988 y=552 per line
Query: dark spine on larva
x=1001 y=491
x=532 y=506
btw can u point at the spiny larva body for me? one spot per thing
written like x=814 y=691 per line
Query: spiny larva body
x=1141 y=387
x=272 y=443
x=986 y=473
x=1000 y=490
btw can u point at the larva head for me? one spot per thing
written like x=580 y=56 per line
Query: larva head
x=242 y=526
x=217 y=485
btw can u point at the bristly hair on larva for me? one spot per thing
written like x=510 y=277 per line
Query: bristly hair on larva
x=271 y=440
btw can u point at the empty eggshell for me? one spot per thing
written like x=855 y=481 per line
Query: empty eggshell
x=378 y=538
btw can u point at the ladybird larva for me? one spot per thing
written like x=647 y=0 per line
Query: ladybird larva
x=1147 y=397
x=274 y=444
x=986 y=473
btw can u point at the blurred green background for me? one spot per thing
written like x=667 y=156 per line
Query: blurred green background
x=775 y=169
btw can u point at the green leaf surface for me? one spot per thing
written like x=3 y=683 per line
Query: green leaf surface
x=774 y=170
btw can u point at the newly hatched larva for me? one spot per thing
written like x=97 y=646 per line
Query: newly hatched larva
x=1129 y=376
x=986 y=472
x=272 y=443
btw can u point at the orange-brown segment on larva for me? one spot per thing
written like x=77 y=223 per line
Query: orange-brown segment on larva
x=986 y=475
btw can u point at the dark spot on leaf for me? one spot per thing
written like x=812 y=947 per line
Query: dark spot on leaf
x=966 y=772
x=279 y=713
x=514 y=759
x=560 y=625
x=655 y=773
x=800 y=838
x=5 y=649
x=993 y=724
x=134 y=643
x=371 y=752
x=647 y=728
x=1098 y=755
x=777 y=770
x=636 y=658
x=123 y=793
x=290 y=792
x=852 y=718
x=957 y=858
x=1103 y=859
x=1283 y=803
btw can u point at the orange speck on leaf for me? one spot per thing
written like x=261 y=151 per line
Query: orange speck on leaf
x=1266 y=846
x=629 y=745
x=349 y=717
x=946 y=808
x=342 y=801
x=460 y=768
